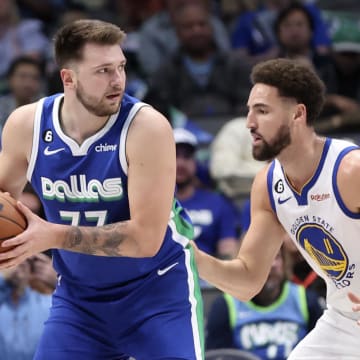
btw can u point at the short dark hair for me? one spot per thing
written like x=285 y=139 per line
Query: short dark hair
x=284 y=13
x=25 y=60
x=293 y=79
x=70 y=40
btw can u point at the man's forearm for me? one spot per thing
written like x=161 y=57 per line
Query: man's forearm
x=108 y=240
x=230 y=276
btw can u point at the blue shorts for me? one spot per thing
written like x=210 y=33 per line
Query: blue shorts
x=159 y=316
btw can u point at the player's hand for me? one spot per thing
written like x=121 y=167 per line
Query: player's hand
x=37 y=237
x=356 y=301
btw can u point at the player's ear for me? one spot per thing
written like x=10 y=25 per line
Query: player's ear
x=300 y=112
x=67 y=77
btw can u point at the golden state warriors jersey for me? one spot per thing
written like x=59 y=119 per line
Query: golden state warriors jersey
x=87 y=185
x=325 y=231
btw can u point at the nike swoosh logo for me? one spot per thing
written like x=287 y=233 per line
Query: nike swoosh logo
x=161 y=272
x=280 y=201
x=48 y=152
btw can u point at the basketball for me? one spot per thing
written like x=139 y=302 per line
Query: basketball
x=12 y=221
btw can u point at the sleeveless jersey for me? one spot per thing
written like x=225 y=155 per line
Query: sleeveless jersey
x=270 y=332
x=87 y=185
x=324 y=230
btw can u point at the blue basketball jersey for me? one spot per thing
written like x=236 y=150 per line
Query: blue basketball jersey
x=271 y=332
x=87 y=185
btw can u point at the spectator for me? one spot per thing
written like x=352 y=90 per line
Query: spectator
x=294 y=29
x=25 y=79
x=158 y=40
x=132 y=13
x=44 y=10
x=18 y=37
x=271 y=324
x=99 y=9
x=200 y=80
x=23 y=310
x=254 y=37
x=342 y=79
x=213 y=216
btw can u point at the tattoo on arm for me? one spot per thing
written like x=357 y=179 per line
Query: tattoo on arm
x=105 y=240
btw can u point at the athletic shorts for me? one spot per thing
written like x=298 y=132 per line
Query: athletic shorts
x=335 y=337
x=159 y=316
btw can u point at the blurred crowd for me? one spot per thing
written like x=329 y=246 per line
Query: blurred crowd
x=191 y=60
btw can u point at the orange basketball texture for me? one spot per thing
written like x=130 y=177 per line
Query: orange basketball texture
x=12 y=221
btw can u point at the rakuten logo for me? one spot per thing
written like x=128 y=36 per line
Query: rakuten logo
x=320 y=197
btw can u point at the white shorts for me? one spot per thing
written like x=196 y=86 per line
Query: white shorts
x=335 y=337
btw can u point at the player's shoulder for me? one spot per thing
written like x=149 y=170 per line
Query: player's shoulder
x=23 y=112
x=350 y=163
x=22 y=118
x=348 y=178
x=259 y=189
x=261 y=178
x=150 y=122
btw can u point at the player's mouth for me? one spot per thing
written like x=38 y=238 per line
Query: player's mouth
x=256 y=138
x=114 y=96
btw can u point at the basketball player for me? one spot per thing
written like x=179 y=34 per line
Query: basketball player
x=311 y=191
x=103 y=165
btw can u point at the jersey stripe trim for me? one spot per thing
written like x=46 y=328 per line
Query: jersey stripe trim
x=231 y=309
x=270 y=177
x=196 y=304
x=335 y=186
x=182 y=230
x=122 y=146
x=303 y=303
x=36 y=137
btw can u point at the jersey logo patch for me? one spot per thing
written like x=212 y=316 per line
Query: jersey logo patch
x=282 y=201
x=162 y=272
x=324 y=249
x=49 y=152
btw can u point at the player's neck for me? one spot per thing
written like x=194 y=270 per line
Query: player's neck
x=78 y=123
x=301 y=160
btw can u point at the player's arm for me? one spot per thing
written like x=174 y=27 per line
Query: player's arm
x=150 y=151
x=16 y=148
x=244 y=276
x=348 y=180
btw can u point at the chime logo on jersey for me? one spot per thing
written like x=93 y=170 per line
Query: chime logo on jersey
x=79 y=189
x=324 y=249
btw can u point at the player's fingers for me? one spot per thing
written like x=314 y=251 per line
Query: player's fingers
x=15 y=241
x=354 y=298
x=16 y=249
x=12 y=262
x=25 y=210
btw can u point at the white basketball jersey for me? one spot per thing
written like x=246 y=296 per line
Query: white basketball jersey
x=325 y=231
